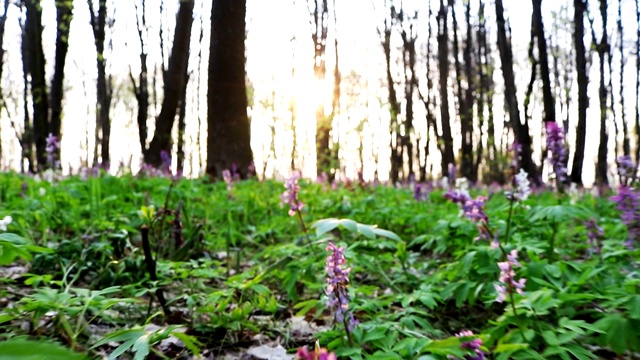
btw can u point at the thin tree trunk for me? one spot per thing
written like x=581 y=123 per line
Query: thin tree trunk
x=26 y=139
x=521 y=130
x=626 y=147
x=580 y=7
x=637 y=115
x=3 y=21
x=174 y=86
x=182 y=126
x=141 y=89
x=394 y=104
x=602 y=48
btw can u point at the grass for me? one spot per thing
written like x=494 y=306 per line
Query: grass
x=127 y=267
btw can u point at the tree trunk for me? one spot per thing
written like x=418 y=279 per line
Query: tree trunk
x=626 y=147
x=103 y=84
x=64 y=14
x=521 y=130
x=229 y=135
x=3 y=21
x=182 y=126
x=36 y=69
x=443 y=67
x=174 y=86
x=602 y=48
x=580 y=7
x=637 y=114
x=394 y=105
x=543 y=63
x=141 y=90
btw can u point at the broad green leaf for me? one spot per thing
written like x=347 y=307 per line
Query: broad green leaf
x=22 y=349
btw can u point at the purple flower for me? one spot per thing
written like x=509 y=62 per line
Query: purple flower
x=52 y=146
x=508 y=283
x=595 y=235
x=166 y=160
x=420 y=192
x=337 y=281
x=555 y=144
x=628 y=200
x=290 y=195
x=626 y=170
x=317 y=354
x=226 y=176
x=473 y=345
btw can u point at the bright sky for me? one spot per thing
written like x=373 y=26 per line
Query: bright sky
x=278 y=41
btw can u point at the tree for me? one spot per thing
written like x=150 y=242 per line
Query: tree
x=520 y=129
x=35 y=69
x=603 y=49
x=543 y=62
x=229 y=135
x=443 y=66
x=141 y=88
x=64 y=14
x=104 y=91
x=580 y=7
x=175 y=83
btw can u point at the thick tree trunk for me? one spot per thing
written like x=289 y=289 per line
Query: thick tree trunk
x=64 y=13
x=443 y=67
x=580 y=7
x=521 y=130
x=229 y=135
x=174 y=86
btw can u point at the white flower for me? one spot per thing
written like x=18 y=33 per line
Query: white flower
x=4 y=222
x=444 y=183
x=42 y=191
x=523 y=188
x=462 y=185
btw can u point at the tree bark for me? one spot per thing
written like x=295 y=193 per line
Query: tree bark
x=602 y=48
x=443 y=67
x=521 y=130
x=626 y=147
x=174 y=86
x=580 y=7
x=141 y=89
x=229 y=135
x=394 y=104
x=3 y=21
x=64 y=14
x=36 y=69
x=543 y=63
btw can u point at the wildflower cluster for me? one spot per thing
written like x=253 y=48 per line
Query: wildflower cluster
x=52 y=147
x=555 y=144
x=508 y=283
x=317 y=354
x=522 y=186
x=595 y=235
x=473 y=345
x=290 y=195
x=226 y=176
x=626 y=170
x=337 y=281
x=628 y=200
x=5 y=222
x=473 y=209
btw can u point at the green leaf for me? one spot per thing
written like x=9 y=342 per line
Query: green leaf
x=323 y=226
x=22 y=349
x=386 y=233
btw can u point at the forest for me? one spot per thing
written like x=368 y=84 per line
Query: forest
x=319 y=179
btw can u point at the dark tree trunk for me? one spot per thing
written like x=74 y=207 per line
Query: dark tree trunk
x=409 y=37
x=637 y=114
x=3 y=21
x=626 y=147
x=141 y=89
x=543 y=63
x=36 y=69
x=64 y=14
x=174 y=86
x=521 y=130
x=394 y=104
x=319 y=12
x=602 y=48
x=443 y=67
x=103 y=84
x=228 y=140
x=26 y=140
x=580 y=7
x=182 y=126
